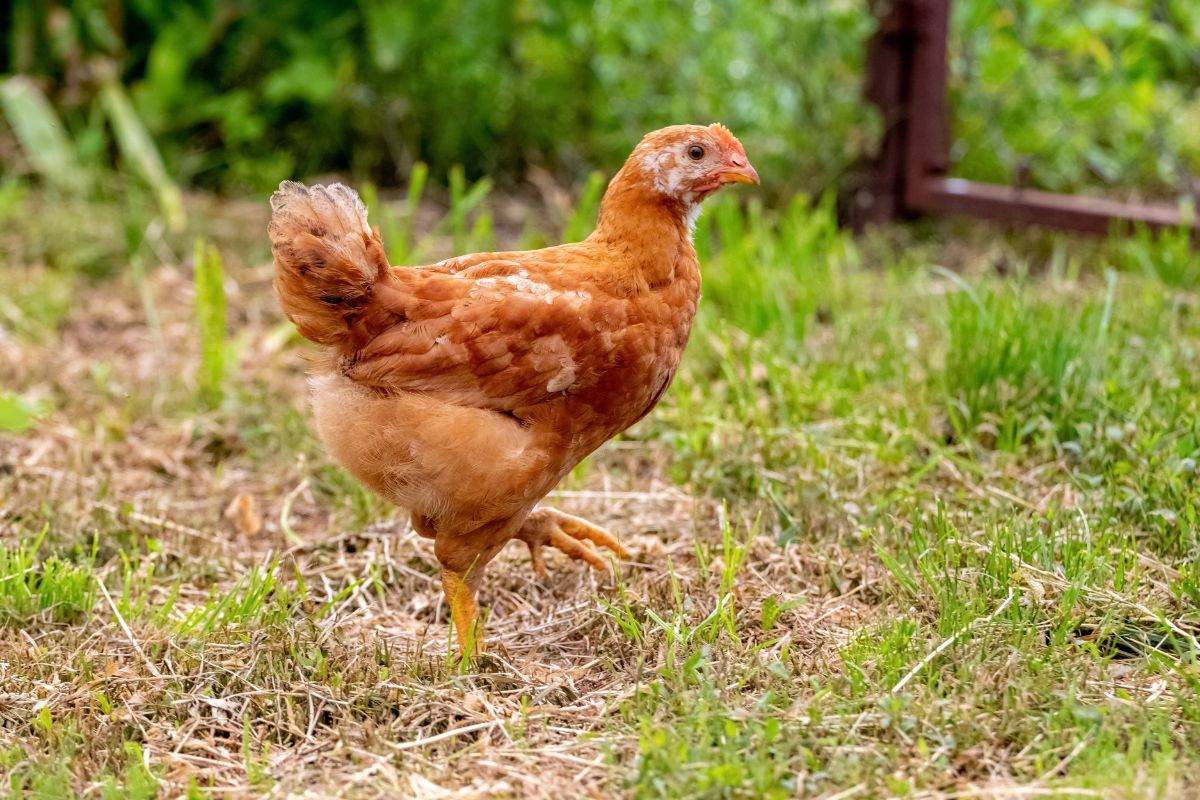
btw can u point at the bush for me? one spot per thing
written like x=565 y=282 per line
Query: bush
x=1064 y=97
x=239 y=97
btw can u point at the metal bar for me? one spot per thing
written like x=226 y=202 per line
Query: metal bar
x=880 y=198
x=927 y=150
x=1095 y=215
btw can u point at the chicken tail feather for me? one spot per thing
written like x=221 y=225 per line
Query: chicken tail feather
x=328 y=260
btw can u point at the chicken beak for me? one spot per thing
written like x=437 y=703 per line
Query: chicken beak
x=739 y=173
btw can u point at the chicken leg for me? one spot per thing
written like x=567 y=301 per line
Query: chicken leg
x=464 y=560
x=462 y=572
x=571 y=535
x=464 y=610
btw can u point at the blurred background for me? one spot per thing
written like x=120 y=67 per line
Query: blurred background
x=234 y=96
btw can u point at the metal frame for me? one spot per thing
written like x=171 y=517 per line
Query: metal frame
x=906 y=79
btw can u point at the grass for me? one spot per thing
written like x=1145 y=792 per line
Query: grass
x=210 y=319
x=53 y=588
x=917 y=519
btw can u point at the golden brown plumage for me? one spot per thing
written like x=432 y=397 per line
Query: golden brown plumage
x=465 y=390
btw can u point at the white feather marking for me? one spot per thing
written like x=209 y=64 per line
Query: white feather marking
x=671 y=170
x=663 y=168
x=522 y=284
x=693 y=214
x=564 y=378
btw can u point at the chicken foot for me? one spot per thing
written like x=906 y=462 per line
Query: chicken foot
x=465 y=558
x=571 y=535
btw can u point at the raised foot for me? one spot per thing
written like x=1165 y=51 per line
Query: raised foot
x=571 y=535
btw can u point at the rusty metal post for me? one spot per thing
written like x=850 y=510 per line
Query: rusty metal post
x=927 y=143
x=889 y=54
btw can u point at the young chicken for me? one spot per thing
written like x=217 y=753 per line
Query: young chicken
x=464 y=391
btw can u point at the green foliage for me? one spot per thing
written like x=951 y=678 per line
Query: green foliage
x=468 y=221
x=1068 y=95
x=1043 y=91
x=773 y=609
x=772 y=272
x=1014 y=364
x=241 y=98
x=258 y=598
x=49 y=777
x=770 y=279
x=1169 y=256
x=136 y=782
x=708 y=752
x=138 y=149
x=462 y=202
x=18 y=412
x=40 y=132
x=583 y=220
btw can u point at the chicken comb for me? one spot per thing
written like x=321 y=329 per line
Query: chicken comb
x=724 y=133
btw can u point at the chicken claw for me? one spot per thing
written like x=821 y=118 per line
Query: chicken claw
x=571 y=535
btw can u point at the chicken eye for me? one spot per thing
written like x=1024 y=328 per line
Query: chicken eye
x=696 y=152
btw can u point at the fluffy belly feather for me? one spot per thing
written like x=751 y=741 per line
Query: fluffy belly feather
x=458 y=466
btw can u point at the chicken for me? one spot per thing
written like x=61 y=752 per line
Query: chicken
x=465 y=390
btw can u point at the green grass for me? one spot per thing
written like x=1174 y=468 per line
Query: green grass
x=942 y=537
x=210 y=322
x=51 y=588
x=1015 y=364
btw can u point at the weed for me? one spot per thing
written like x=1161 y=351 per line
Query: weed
x=59 y=589
x=210 y=321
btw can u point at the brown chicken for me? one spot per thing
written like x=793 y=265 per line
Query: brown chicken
x=464 y=391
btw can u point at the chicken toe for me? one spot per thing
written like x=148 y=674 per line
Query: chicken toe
x=569 y=534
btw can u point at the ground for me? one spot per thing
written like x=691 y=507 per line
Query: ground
x=917 y=519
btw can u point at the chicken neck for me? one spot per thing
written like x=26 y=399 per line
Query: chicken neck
x=649 y=232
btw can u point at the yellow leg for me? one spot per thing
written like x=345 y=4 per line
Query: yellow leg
x=464 y=559
x=464 y=610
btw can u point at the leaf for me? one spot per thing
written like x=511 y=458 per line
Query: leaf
x=137 y=147
x=41 y=133
x=1100 y=52
x=773 y=609
x=210 y=319
x=18 y=412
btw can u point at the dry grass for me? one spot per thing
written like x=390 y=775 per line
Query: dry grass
x=295 y=644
